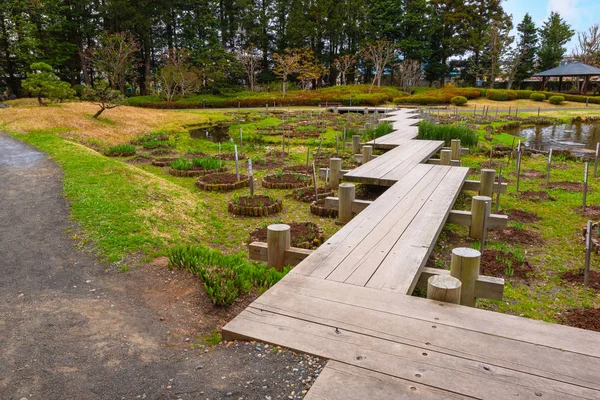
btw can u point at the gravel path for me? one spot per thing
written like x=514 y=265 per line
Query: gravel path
x=71 y=328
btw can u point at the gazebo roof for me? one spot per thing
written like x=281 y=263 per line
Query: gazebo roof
x=572 y=69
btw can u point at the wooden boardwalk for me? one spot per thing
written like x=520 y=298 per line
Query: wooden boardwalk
x=349 y=301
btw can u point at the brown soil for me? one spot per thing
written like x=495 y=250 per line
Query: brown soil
x=276 y=154
x=493 y=264
x=523 y=217
x=300 y=169
x=162 y=152
x=495 y=164
x=139 y=160
x=518 y=236
x=532 y=174
x=231 y=157
x=306 y=235
x=591 y=212
x=560 y=166
x=535 y=196
x=569 y=186
x=307 y=194
x=584 y=318
x=222 y=178
x=370 y=192
x=286 y=178
x=255 y=201
x=575 y=277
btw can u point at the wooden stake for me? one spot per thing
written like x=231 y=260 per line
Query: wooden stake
x=478 y=214
x=237 y=166
x=456 y=149
x=278 y=241
x=588 y=252
x=251 y=177
x=518 y=166
x=319 y=149
x=488 y=176
x=486 y=211
x=335 y=167
x=315 y=181
x=445 y=156
x=367 y=152
x=548 y=167
x=596 y=160
x=346 y=197
x=444 y=288
x=499 y=189
x=355 y=144
x=464 y=265
x=585 y=185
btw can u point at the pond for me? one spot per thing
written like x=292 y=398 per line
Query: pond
x=216 y=133
x=577 y=137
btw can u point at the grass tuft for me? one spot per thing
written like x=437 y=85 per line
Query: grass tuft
x=431 y=131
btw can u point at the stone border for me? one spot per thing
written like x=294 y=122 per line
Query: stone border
x=222 y=187
x=285 y=185
x=319 y=240
x=121 y=154
x=252 y=211
x=163 y=162
x=321 y=211
x=194 y=172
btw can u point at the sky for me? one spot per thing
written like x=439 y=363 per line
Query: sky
x=580 y=14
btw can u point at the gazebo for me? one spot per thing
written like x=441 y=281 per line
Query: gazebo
x=572 y=69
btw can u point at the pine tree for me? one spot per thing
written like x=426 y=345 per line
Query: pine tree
x=554 y=35
x=523 y=57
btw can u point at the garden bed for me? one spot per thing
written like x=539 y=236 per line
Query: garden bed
x=504 y=265
x=536 y=197
x=256 y=206
x=194 y=171
x=222 y=182
x=305 y=235
x=575 y=277
x=285 y=181
x=307 y=194
x=163 y=162
x=318 y=208
x=584 y=318
x=517 y=236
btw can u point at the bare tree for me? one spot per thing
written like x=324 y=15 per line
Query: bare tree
x=343 y=64
x=380 y=53
x=250 y=60
x=286 y=64
x=177 y=76
x=411 y=73
x=113 y=57
x=309 y=69
x=587 y=50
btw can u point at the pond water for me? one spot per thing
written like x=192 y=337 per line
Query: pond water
x=216 y=133
x=577 y=137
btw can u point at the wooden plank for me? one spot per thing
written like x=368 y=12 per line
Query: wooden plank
x=474 y=186
x=436 y=161
x=401 y=268
x=401 y=170
x=364 y=259
x=486 y=287
x=469 y=377
x=412 y=330
x=361 y=225
x=332 y=203
x=292 y=256
x=459 y=217
x=340 y=381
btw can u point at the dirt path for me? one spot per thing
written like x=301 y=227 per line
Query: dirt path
x=71 y=328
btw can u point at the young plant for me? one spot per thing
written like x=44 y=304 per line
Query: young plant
x=207 y=163
x=121 y=150
x=181 y=164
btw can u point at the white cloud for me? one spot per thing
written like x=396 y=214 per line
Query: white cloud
x=568 y=9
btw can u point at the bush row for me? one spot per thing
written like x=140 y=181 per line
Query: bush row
x=431 y=131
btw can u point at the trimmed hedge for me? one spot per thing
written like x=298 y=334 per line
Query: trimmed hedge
x=441 y=96
x=458 y=100
x=556 y=100
x=537 y=96
x=501 y=95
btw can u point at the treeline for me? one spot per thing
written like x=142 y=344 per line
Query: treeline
x=470 y=36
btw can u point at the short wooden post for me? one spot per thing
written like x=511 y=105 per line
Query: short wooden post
x=335 y=167
x=367 y=152
x=487 y=182
x=346 y=197
x=278 y=241
x=456 y=149
x=445 y=156
x=464 y=265
x=355 y=144
x=444 y=288
x=478 y=210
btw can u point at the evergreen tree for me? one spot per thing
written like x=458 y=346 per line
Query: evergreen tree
x=554 y=35
x=523 y=57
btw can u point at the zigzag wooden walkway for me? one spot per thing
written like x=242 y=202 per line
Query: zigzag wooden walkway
x=349 y=301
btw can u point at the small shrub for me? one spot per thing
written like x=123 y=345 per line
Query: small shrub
x=537 y=96
x=458 y=100
x=181 y=164
x=121 y=150
x=524 y=94
x=377 y=132
x=207 y=163
x=501 y=95
x=430 y=131
x=225 y=277
x=556 y=100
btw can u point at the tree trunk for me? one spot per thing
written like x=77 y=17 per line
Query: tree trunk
x=284 y=84
x=100 y=111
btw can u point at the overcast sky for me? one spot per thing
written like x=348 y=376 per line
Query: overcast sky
x=580 y=14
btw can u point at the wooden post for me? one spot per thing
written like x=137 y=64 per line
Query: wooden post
x=518 y=167
x=499 y=189
x=585 y=185
x=596 y=160
x=367 y=152
x=445 y=156
x=456 y=149
x=588 y=252
x=549 y=166
x=278 y=241
x=478 y=213
x=444 y=288
x=251 y=182
x=464 y=265
x=335 y=167
x=237 y=165
x=487 y=182
x=314 y=173
x=346 y=197
x=355 y=144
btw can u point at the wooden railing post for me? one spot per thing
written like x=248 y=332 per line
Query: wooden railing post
x=444 y=288
x=278 y=241
x=456 y=149
x=478 y=215
x=487 y=182
x=335 y=168
x=464 y=265
x=355 y=144
x=367 y=152
x=445 y=156
x=346 y=197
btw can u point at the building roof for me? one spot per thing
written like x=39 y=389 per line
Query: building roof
x=572 y=69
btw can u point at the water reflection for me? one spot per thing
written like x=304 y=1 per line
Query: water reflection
x=577 y=137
